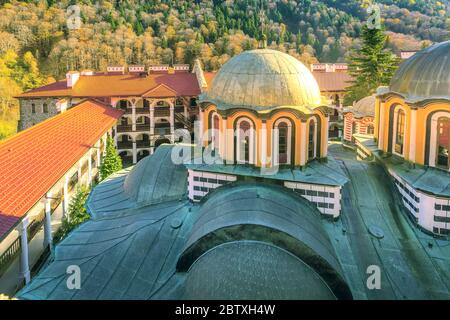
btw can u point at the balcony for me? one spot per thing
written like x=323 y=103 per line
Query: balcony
x=142 y=110
x=143 y=144
x=124 y=145
x=124 y=128
x=162 y=112
x=143 y=127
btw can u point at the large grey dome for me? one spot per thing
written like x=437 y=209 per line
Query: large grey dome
x=263 y=79
x=426 y=75
x=275 y=216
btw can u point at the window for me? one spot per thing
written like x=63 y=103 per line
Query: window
x=215 y=131
x=400 y=132
x=282 y=143
x=312 y=140
x=443 y=143
x=33 y=108
x=244 y=141
x=370 y=129
x=354 y=127
x=44 y=108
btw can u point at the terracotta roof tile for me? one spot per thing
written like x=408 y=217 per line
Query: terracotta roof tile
x=33 y=160
x=108 y=85
x=332 y=81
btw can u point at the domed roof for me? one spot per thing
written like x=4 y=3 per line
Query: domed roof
x=245 y=270
x=364 y=107
x=273 y=215
x=156 y=179
x=262 y=80
x=426 y=75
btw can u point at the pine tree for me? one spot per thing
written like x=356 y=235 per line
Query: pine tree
x=371 y=66
x=111 y=161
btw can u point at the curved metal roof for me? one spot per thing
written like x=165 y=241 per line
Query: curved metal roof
x=152 y=179
x=426 y=75
x=267 y=213
x=253 y=270
x=364 y=107
x=261 y=80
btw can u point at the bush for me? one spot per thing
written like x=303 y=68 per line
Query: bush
x=76 y=214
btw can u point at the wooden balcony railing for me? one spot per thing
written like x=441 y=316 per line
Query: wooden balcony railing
x=124 y=128
x=124 y=145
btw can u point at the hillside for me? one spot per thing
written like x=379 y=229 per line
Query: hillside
x=166 y=31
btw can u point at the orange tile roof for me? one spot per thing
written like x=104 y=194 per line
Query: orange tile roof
x=109 y=85
x=34 y=160
x=332 y=81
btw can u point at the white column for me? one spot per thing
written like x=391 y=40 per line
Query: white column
x=381 y=127
x=134 y=152
x=186 y=115
x=133 y=116
x=201 y=133
x=24 y=266
x=263 y=144
x=412 y=136
x=152 y=119
x=48 y=221
x=80 y=178
x=303 y=143
x=224 y=139
x=66 y=195
x=327 y=132
x=172 y=119
x=90 y=166
x=97 y=146
x=115 y=135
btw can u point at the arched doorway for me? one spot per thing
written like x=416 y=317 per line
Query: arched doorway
x=142 y=154
x=127 y=157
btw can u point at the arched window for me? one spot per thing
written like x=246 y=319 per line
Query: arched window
x=244 y=142
x=399 y=132
x=443 y=143
x=312 y=134
x=354 y=127
x=123 y=105
x=215 y=131
x=282 y=142
x=45 y=108
x=370 y=129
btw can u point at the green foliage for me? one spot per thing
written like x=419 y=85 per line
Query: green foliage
x=76 y=214
x=371 y=66
x=111 y=161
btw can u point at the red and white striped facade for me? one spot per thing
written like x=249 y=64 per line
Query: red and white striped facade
x=355 y=125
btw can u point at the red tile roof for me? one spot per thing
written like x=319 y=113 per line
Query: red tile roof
x=332 y=81
x=109 y=85
x=34 y=160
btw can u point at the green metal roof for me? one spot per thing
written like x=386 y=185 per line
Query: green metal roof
x=324 y=173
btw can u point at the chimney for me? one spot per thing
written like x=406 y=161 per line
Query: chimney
x=72 y=78
x=87 y=73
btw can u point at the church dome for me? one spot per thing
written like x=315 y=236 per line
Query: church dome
x=262 y=80
x=364 y=107
x=426 y=75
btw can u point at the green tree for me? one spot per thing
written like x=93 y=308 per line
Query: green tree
x=371 y=66
x=111 y=161
x=76 y=214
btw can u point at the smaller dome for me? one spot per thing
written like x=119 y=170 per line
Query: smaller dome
x=156 y=179
x=364 y=107
x=426 y=75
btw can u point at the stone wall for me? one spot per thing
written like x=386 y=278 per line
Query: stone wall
x=28 y=118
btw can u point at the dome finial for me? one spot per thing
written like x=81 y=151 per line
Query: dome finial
x=262 y=19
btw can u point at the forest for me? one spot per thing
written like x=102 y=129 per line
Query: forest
x=38 y=46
